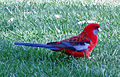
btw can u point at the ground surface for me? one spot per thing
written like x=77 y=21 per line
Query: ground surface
x=54 y=20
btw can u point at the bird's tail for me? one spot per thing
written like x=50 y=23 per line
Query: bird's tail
x=37 y=45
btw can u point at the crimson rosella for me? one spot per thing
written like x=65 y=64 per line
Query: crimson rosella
x=78 y=46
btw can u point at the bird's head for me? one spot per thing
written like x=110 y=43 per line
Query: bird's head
x=93 y=27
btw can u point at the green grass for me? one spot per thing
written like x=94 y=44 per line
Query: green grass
x=35 y=22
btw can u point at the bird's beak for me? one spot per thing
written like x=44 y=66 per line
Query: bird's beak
x=99 y=29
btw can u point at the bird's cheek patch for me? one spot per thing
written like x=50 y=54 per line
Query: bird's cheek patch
x=95 y=32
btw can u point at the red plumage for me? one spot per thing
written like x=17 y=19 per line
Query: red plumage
x=87 y=35
x=78 y=46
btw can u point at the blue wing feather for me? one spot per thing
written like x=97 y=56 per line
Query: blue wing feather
x=81 y=47
x=67 y=45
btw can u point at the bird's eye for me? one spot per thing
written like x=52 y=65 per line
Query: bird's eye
x=96 y=27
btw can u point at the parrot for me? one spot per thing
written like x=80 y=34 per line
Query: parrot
x=78 y=46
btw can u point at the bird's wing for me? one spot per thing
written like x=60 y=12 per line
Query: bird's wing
x=76 y=43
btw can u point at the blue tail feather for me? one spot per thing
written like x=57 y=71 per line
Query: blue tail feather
x=37 y=45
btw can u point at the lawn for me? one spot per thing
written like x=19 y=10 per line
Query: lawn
x=47 y=21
